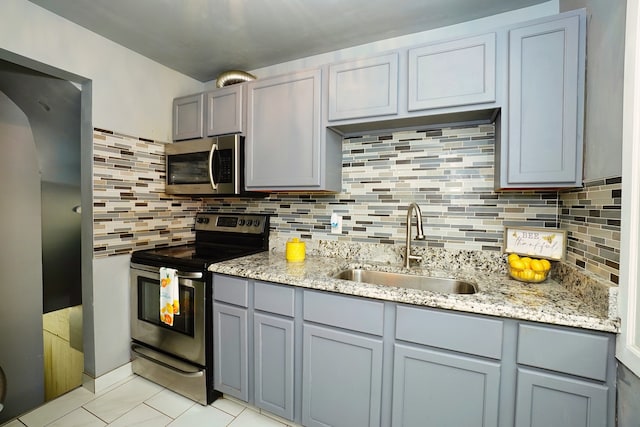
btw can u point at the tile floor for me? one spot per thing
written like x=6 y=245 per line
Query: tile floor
x=138 y=402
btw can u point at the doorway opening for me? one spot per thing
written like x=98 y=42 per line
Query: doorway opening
x=43 y=121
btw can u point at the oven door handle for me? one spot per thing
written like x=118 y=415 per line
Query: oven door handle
x=148 y=354
x=181 y=274
x=190 y=275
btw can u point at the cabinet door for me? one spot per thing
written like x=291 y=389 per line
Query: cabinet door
x=432 y=388
x=225 y=110
x=546 y=400
x=364 y=88
x=188 y=115
x=342 y=378
x=454 y=73
x=546 y=85
x=230 y=360
x=283 y=145
x=273 y=355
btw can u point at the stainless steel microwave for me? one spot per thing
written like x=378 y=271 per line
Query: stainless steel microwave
x=209 y=166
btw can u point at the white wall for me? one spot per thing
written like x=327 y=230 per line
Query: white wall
x=111 y=312
x=131 y=94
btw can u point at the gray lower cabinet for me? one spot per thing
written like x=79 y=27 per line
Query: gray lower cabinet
x=548 y=400
x=435 y=388
x=565 y=377
x=274 y=348
x=230 y=344
x=544 y=140
x=342 y=364
x=324 y=359
x=273 y=358
x=231 y=336
x=342 y=378
x=443 y=374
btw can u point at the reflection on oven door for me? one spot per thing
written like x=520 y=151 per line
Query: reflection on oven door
x=186 y=338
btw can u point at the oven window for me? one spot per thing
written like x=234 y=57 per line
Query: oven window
x=149 y=306
x=191 y=168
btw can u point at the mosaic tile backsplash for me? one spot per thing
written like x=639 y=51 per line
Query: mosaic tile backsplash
x=130 y=209
x=448 y=172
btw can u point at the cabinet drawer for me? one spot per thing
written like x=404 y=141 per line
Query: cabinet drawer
x=231 y=290
x=274 y=299
x=344 y=312
x=456 y=332
x=563 y=350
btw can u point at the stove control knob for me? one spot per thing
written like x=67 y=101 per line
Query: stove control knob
x=241 y=222
x=256 y=222
x=203 y=220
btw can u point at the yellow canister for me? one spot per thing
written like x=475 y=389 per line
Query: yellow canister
x=295 y=250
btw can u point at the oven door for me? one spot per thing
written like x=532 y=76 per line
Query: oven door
x=187 y=337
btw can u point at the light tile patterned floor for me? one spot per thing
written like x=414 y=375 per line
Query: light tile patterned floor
x=138 y=402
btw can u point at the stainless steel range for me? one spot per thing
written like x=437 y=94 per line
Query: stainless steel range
x=180 y=357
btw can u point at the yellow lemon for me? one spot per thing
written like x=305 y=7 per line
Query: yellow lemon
x=546 y=265
x=517 y=265
x=513 y=257
x=527 y=262
x=538 y=277
x=527 y=274
x=537 y=266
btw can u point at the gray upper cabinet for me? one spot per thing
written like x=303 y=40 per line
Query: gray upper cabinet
x=286 y=147
x=449 y=74
x=363 y=88
x=225 y=110
x=188 y=113
x=544 y=145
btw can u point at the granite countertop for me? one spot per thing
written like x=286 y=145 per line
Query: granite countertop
x=498 y=294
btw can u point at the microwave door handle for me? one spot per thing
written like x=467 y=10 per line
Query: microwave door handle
x=213 y=164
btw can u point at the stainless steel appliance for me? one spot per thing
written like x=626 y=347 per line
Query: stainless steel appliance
x=180 y=357
x=209 y=166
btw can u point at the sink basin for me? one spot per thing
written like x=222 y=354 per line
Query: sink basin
x=400 y=280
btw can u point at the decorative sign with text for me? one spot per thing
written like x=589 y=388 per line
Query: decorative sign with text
x=537 y=242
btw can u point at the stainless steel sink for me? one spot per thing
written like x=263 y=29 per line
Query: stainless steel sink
x=400 y=280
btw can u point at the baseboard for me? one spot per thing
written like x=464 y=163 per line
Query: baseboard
x=103 y=382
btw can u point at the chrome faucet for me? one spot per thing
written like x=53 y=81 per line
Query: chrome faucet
x=420 y=236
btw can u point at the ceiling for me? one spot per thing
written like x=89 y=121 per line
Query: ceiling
x=202 y=38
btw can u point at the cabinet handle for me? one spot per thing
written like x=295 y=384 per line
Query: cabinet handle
x=212 y=159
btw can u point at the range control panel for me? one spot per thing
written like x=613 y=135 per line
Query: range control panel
x=235 y=223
